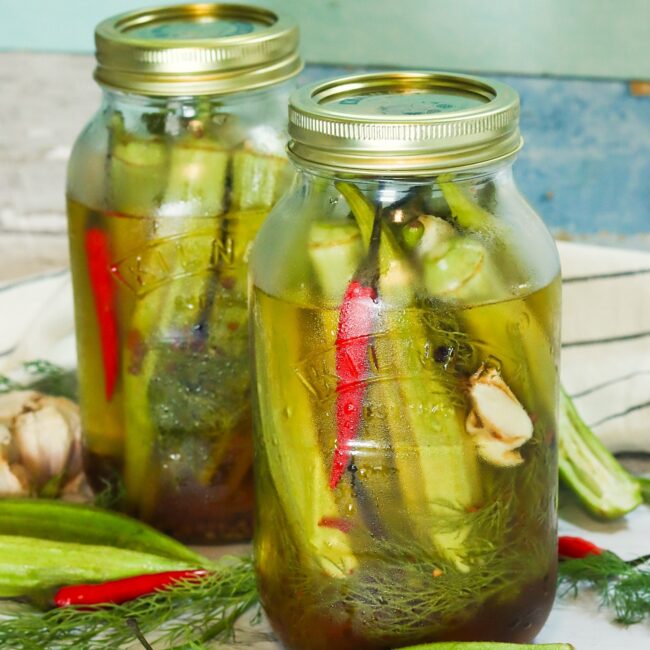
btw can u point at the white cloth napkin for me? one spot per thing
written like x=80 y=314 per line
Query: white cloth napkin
x=606 y=341
x=605 y=335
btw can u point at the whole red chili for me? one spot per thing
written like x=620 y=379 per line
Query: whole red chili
x=98 y=259
x=353 y=337
x=120 y=591
x=576 y=547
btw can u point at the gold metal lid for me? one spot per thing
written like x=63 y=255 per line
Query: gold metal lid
x=403 y=123
x=196 y=49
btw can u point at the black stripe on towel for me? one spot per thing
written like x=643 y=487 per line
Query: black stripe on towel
x=627 y=411
x=612 y=339
x=605 y=276
x=610 y=382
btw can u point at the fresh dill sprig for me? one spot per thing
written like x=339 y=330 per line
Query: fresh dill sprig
x=187 y=615
x=42 y=376
x=623 y=586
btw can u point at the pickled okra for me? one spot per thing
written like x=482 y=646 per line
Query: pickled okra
x=182 y=214
x=436 y=480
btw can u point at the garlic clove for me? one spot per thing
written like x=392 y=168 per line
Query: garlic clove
x=497 y=421
x=13 y=404
x=494 y=452
x=70 y=412
x=10 y=484
x=502 y=414
x=5 y=441
x=43 y=440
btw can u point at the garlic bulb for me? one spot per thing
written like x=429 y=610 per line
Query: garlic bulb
x=40 y=443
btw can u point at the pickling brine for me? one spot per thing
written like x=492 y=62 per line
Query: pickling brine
x=405 y=330
x=434 y=535
x=163 y=366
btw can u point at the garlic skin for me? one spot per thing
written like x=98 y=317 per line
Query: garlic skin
x=497 y=421
x=10 y=484
x=40 y=442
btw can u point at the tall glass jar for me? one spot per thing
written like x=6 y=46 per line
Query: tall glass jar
x=405 y=308
x=167 y=186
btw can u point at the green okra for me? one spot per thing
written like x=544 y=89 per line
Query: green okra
x=436 y=463
x=197 y=175
x=335 y=251
x=258 y=180
x=136 y=171
x=514 y=326
x=69 y=522
x=603 y=486
x=289 y=440
x=489 y=645
x=29 y=564
x=196 y=181
x=466 y=212
x=644 y=485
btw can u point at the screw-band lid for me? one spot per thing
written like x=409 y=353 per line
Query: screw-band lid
x=403 y=123
x=196 y=49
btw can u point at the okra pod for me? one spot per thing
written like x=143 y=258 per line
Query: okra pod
x=437 y=465
x=603 y=486
x=69 y=522
x=196 y=182
x=335 y=251
x=289 y=440
x=489 y=645
x=28 y=564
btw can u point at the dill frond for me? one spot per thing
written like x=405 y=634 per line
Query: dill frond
x=187 y=615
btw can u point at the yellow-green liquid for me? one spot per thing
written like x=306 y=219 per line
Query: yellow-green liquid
x=173 y=442
x=467 y=552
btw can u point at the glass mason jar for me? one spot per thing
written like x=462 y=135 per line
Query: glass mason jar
x=167 y=186
x=405 y=308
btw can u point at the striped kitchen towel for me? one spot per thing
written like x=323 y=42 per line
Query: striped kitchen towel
x=606 y=341
x=605 y=349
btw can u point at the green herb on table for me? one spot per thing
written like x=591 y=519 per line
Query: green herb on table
x=622 y=585
x=189 y=612
x=42 y=376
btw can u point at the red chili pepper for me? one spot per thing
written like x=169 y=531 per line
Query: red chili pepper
x=98 y=257
x=120 y=591
x=576 y=547
x=353 y=337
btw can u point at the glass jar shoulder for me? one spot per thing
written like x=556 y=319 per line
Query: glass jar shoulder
x=191 y=156
x=463 y=240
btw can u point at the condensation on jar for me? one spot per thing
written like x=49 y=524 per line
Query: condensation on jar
x=406 y=409
x=167 y=186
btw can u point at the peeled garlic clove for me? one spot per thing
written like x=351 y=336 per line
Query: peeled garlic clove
x=10 y=484
x=43 y=440
x=501 y=414
x=494 y=452
x=498 y=422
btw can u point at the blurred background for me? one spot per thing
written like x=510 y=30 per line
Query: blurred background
x=582 y=68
